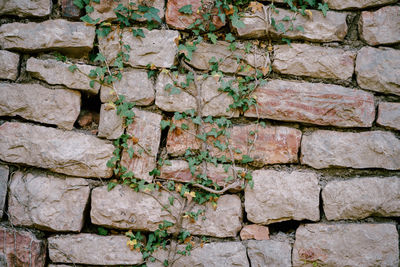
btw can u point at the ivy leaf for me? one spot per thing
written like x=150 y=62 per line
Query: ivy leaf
x=138 y=32
x=212 y=37
x=324 y=8
x=236 y=22
x=300 y=28
x=246 y=159
x=197 y=120
x=229 y=37
x=171 y=200
x=89 y=9
x=131 y=152
x=110 y=186
x=186 y=10
x=89 y=20
x=102 y=231
x=99 y=57
x=164 y=124
x=79 y=3
x=72 y=68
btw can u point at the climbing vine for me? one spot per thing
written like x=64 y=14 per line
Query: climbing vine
x=212 y=134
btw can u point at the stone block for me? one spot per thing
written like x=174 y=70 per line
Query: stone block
x=4 y=172
x=314 y=61
x=254 y=231
x=34 y=102
x=47 y=202
x=92 y=249
x=374 y=149
x=74 y=38
x=315 y=103
x=269 y=253
x=110 y=124
x=53 y=71
x=26 y=8
x=362 y=197
x=344 y=4
x=378 y=69
x=346 y=245
x=389 y=115
x=280 y=196
x=381 y=26
x=9 y=63
x=71 y=153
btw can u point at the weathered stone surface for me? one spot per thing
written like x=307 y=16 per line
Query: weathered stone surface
x=389 y=115
x=47 y=202
x=379 y=69
x=69 y=9
x=314 y=61
x=269 y=253
x=346 y=245
x=215 y=102
x=280 y=196
x=35 y=102
x=316 y=103
x=181 y=21
x=60 y=151
x=179 y=171
x=26 y=8
x=134 y=86
x=58 y=34
x=375 y=149
x=254 y=231
x=381 y=26
x=92 y=249
x=53 y=71
x=4 y=172
x=178 y=141
x=362 y=197
x=224 y=254
x=345 y=4
x=8 y=65
x=331 y=28
x=110 y=125
x=272 y=145
x=21 y=248
x=229 y=59
x=159 y=47
x=147 y=133
x=105 y=9
x=124 y=208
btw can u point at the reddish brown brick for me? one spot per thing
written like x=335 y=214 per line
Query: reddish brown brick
x=69 y=10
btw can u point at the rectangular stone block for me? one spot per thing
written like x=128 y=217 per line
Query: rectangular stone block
x=178 y=141
x=92 y=249
x=134 y=86
x=264 y=203
x=9 y=63
x=331 y=28
x=389 y=115
x=21 y=248
x=381 y=26
x=146 y=131
x=110 y=124
x=224 y=254
x=35 y=102
x=269 y=253
x=315 y=103
x=346 y=245
x=181 y=21
x=26 y=8
x=4 y=172
x=104 y=10
x=314 y=61
x=272 y=144
x=47 y=202
x=179 y=171
x=69 y=37
x=123 y=208
x=71 y=153
x=214 y=102
x=230 y=61
x=362 y=197
x=158 y=47
x=374 y=149
x=57 y=72
x=378 y=69
x=345 y=4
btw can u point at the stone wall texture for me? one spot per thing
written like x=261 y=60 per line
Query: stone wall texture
x=323 y=139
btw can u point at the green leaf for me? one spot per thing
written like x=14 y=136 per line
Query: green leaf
x=236 y=22
x=171 y=200
x=197 y=120
x=110 y=186
x=102 y=231
x=229 y=37
x=131 y=152
x=300 y=28
x=89 y=9
x=246 y=159
x=155 y=172
x=72 y=68
x=100 y=57
x=164 y=124
x=138 y=32
x=91 y=83
x=79 y=3
x=324 y=8
x=184 y=126
x=89 y=20
x=186 y=10
x=213 y=37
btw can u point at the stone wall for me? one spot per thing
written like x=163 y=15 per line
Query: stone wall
x=327 y=164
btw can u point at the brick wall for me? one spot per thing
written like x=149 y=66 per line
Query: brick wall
x=326 y=166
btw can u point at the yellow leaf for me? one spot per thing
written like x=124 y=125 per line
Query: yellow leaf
x=165 y=71
x=309 y=13
x=193 y=194
x=153 y=67
x=256 y=6
x=110 y=106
